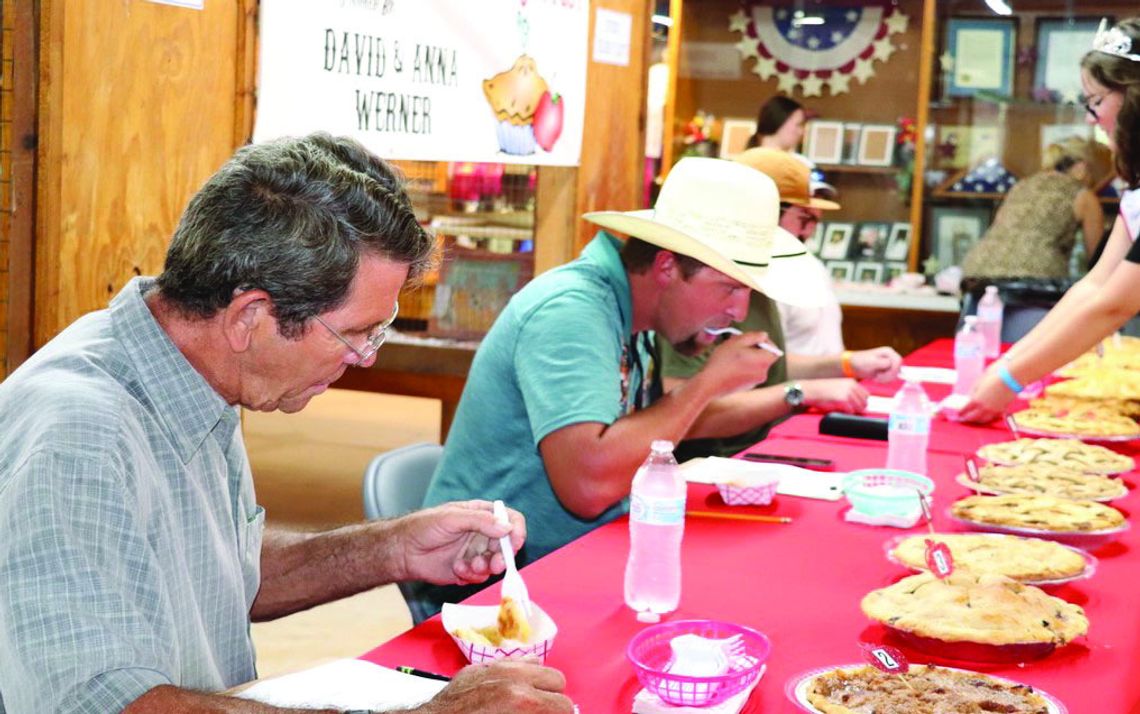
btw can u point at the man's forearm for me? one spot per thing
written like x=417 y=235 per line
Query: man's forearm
x=300 y=570
x=164 y=699
x=740 y=412
x=814 y=367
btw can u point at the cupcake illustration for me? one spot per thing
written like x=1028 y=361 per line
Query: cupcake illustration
x=522 y=104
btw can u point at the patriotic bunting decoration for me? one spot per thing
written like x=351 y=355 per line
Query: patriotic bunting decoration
x=816 y=48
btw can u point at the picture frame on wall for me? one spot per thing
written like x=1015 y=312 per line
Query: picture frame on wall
x=981 y=54
x=892 y=270
x=734 y=136
x=868 y=272
x=956 y=229
x=840 y=270
x=871 y=239
x=836 y=241
x=898 y=242
x=824 y=143
x=1061 y=43
x=851 y=132
x=877 y=144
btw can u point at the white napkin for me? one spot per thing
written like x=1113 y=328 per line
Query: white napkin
x=794 y=481
x=934 y=375
x=645 y=702
x=345 y=684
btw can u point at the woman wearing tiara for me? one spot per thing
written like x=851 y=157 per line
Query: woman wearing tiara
x=1107 y=297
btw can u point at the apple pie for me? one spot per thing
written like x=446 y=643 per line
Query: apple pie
x=1014 y=557
x=1048 y=480
x=866 y=690
x=1103 y=383
x=1087 y=421
x=1065 y=453
x=969 y=607
x=1046 y=513
x=1128 y=407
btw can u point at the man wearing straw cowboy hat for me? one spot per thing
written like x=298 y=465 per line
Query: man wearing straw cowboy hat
x=823 y=381
x=563 y=397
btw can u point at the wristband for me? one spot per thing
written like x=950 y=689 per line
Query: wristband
x=1007 y=378
x=845 y=363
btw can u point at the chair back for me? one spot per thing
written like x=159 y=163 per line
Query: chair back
x=395 y=483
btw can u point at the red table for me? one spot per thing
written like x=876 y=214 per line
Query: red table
x=801 y=585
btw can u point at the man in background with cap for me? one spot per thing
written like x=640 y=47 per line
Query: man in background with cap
x=563 y=397
x=823 y=381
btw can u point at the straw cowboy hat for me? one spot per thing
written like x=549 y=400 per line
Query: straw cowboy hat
x=792 y=177
x=727 y=216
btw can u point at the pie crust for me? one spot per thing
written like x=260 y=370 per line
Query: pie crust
x=1048 y=480
x=927 y=688
x=1100 y=384
x=1066 y=453
x=1011 y=556
x=967 y=607
x=1085 y=421
x=1046 y=513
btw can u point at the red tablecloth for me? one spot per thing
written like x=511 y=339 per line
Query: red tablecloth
x=800 y=584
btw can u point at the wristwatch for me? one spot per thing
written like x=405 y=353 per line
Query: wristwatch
x=794 y=395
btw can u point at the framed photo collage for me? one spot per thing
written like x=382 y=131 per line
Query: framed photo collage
x=867 y=252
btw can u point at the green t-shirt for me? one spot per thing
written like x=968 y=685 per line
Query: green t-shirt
x=762 y=317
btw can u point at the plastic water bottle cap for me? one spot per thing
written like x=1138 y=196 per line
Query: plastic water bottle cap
x=648 y=616
x=661 y=446
x=991 y=289
x=971 y=319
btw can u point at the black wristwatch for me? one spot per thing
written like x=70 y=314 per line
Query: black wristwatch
x=794 y=395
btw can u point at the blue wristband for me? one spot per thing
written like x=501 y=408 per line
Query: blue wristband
x=1007 y=378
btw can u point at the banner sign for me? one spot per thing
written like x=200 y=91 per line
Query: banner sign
x=431 y=80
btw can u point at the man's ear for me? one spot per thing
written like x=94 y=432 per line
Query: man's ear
x=242 y=317
x=665 y=267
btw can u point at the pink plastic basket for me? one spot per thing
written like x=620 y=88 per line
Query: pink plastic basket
x=650 y=653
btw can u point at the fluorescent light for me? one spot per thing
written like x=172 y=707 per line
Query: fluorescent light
x=662 y=20
x=1000 y=7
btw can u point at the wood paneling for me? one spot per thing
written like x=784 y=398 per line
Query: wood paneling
x=905 y=330
x=613 y=140
x=139 y=104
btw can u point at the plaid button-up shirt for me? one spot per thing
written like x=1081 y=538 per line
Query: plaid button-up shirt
x=130 y=537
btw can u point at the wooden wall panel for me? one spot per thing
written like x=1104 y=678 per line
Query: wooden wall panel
x=138 y=106
x=613 y=140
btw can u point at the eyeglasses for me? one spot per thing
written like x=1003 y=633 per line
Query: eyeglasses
x=375 y=338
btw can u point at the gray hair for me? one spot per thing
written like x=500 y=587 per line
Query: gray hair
x=291 y=217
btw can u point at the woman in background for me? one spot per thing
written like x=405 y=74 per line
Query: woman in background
x=1034 y=231
x=1107 y=297
x=779 y=125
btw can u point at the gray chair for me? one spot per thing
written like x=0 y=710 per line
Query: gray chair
x=395 y=483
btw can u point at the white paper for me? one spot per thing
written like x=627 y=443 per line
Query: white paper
x=794 y=481
x=933 y=375
x=612 y=31
x=646 y=703
x=345 y=684
x=880 y=405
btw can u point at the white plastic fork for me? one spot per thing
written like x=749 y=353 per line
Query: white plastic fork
x=513 y=585
x=766 y=346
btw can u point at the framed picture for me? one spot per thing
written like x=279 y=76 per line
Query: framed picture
x=474 y=287
x=851 y=132
x=841 y=270
x=871 y=239
x=1060 y=45
x=981 y=53
x=892 y=271
x=734 y=136
x=824 y=142
x=954 y=230
x=898 y=242
x=815 y=240
x=868 y=272
x=836 y=241
x=876 y=145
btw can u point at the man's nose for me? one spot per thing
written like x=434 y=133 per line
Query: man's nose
x=738 y=309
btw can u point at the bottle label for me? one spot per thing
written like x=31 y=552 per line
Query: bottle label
x=967 y=350
x=657 y=511
x=909 y=423
x=989 y=313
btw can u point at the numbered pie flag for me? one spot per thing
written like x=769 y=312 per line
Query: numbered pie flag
x=1009 y=422
x=972 y=474
x=939 y=559
x=886 y=659
x=924 y=502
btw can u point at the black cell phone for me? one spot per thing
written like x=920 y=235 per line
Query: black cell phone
x=801 y=461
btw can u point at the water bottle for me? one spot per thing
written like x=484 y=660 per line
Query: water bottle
x=969 y=355
x=989 y=320
x=908 y=430
x=656 y=524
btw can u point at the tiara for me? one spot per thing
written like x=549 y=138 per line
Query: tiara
x=1113 y=42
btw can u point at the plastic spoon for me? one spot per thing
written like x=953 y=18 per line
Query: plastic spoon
x=766 y=346
x=513 y=585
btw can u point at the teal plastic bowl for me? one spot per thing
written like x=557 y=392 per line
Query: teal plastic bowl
x=886 y=492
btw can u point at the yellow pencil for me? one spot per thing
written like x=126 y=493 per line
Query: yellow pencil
x=739 y=516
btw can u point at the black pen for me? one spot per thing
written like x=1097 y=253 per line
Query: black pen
x=421 y=673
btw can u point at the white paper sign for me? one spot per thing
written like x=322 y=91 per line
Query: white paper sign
x=431 y=80
x=612 y=31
